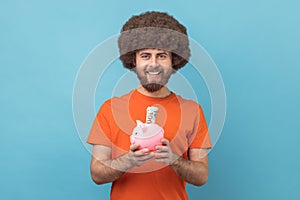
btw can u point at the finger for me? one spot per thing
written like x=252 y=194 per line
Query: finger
x=134 y=147
x=146 y=157
x=162 y=148
x=161 y=155
x=163 y=160
x=165 y=141
x=141 y=152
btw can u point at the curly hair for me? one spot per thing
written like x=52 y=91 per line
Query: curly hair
x=154 y=30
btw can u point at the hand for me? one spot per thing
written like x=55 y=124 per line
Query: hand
x=164 y=153
x=139 y=157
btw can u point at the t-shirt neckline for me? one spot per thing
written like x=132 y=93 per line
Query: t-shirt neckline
x=148 y=98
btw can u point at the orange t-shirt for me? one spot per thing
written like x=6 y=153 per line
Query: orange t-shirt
x=184 y=126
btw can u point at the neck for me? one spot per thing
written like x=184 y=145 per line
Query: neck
x=163 y=92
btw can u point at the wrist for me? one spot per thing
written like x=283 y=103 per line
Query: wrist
x=128 y=162
x=122 y=163
x=175 y=160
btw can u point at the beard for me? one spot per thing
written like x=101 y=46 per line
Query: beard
x=152 y=87
x=155 y=84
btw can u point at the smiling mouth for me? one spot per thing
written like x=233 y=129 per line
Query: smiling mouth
x=153 y=73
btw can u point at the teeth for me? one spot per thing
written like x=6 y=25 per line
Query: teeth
x=153 y=73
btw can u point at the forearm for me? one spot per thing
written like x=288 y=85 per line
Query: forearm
x=109 y=170
x=104 y=169
x=193 y=172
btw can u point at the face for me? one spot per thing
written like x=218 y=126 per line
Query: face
x=153 y=68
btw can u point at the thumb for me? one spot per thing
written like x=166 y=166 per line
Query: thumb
x=134 y=147
x=165 y=141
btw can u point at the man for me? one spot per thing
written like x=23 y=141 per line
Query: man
x=154 y=45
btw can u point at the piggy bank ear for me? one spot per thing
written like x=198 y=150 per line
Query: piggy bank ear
x=138 y=122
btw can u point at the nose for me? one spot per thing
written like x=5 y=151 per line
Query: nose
x=153 y=61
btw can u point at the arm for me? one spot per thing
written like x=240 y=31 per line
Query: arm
x=193 y=170
x=104 y=169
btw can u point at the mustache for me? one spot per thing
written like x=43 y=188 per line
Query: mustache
x=152 y=68
x=149 y=68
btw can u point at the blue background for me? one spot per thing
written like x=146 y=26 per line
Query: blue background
x=254 y=43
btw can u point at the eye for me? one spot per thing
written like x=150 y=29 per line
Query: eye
x=145 y=56
x=162 y=56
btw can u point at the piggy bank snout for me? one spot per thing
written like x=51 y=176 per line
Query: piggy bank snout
x=148 y=142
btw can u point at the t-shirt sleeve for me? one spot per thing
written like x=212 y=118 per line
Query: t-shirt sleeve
x=100 y=132
x=199 y=138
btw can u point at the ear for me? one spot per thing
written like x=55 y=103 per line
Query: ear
x=138 y=122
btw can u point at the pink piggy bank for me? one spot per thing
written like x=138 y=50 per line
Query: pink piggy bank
x=147 y=135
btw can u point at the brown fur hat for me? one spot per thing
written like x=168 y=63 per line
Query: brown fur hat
x=154 y=30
